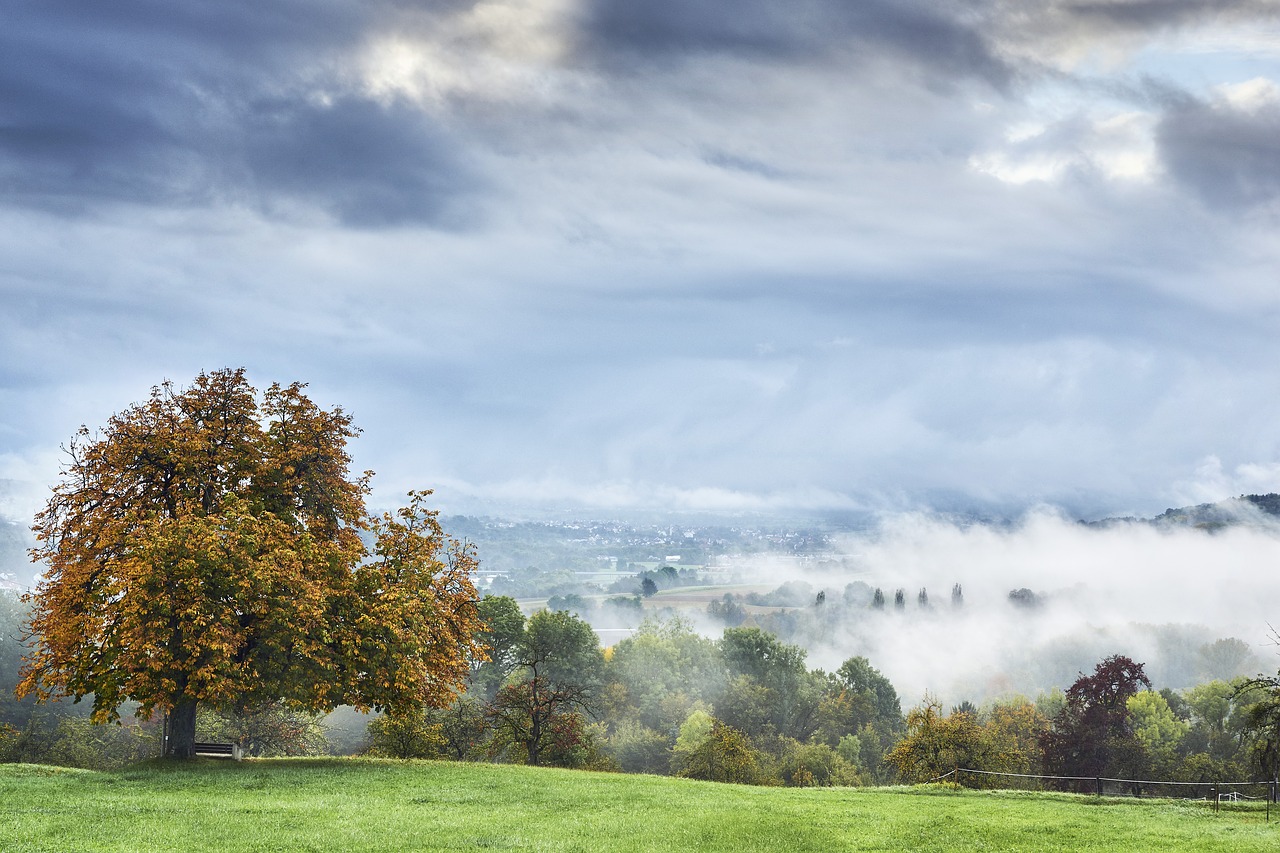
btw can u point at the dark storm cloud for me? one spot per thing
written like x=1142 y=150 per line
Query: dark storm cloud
x=185 y=104
x=153 y=30
x=78 y=117
x=1158 y=14
x=934 y=36
x=1229 y=156
x=368 y=164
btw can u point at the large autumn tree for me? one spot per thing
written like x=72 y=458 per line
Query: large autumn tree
x=208 y=547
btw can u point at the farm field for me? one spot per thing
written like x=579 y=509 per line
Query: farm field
x=701 y=596
x=678 y=598
x=362 y=804
x=692 y=600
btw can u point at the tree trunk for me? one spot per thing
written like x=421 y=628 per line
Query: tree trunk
x=181 y=741
x=534 y=744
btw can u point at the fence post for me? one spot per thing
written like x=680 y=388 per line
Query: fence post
x=1098 y=781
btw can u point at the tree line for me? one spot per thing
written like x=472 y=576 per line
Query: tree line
x=742 y=708
x=665 y=700
x=1109 y=724
x=210 y=564
x=745 y=708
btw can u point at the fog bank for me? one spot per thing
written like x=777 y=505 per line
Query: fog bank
x=1159 y=595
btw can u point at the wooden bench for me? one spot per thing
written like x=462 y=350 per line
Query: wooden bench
x=220 y=750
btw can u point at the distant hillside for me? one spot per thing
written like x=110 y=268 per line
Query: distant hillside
x=1248 y=510
x=16 y=569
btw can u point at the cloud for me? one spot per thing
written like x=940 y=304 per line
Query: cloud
x=1212 y=481
x=931 y=37
x=602 y=244
x=629 y=497
x=166 y=105
x=24 y=484
x=370 y=164
x=1115 y=147
x=1149 y=15
x=1103 y=36
x=1226 y=149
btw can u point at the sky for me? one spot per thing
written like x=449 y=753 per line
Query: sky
x=597 y=255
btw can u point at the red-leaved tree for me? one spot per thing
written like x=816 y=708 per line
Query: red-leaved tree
x=1092 y=736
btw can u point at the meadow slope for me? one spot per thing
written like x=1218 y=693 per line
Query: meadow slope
x=359 y=805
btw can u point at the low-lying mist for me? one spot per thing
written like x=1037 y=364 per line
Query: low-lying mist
x=1192 y=605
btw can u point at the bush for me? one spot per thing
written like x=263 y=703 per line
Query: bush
x=818 y=765
x=72 y=741
x=639 y=749
x=574 y=743
x=726 y=755
x=410 y=735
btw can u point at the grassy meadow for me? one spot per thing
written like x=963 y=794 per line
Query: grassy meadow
x=359 y=804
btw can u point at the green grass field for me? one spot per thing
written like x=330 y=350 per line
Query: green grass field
x=358 y=804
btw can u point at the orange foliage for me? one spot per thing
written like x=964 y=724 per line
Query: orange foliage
x=207 y=547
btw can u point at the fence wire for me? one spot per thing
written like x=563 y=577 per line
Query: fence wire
x=1215 y=793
